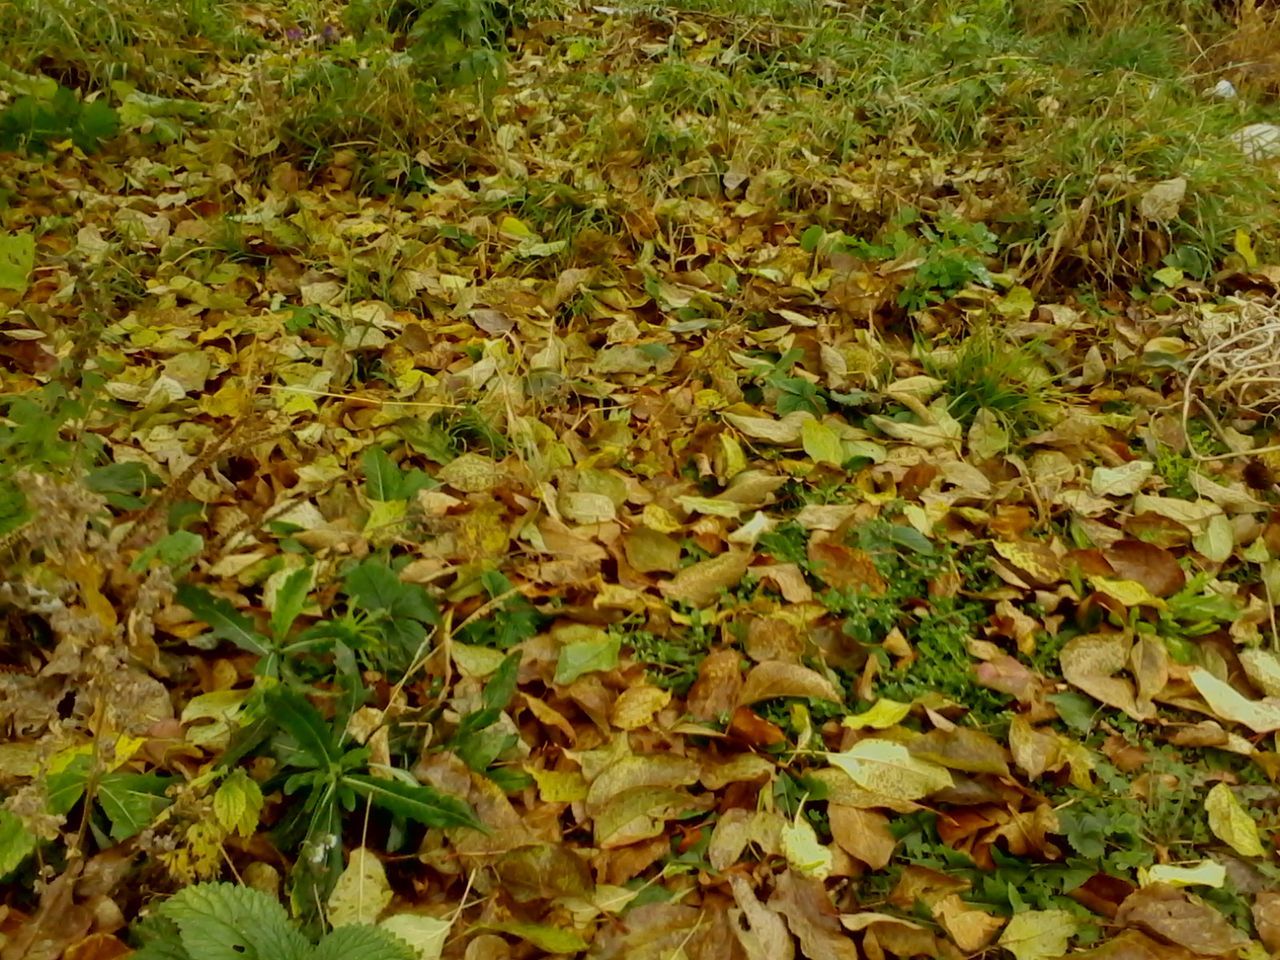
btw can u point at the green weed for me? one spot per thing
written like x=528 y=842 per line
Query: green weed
x=986 y=372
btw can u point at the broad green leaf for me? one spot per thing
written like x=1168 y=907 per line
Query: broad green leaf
x=221 y=921
x=132 y=801
x=172 y=550
x=381 y=475
x=297 y=717
x=290 y=600
x=416 y=802
x=17 y=259
x=16 y=842
x=225 y=622
x=237 y=804
x=65 y=787
x=821 y=443
x=361 y=941
x=1039 y=934
x=889 y=769
x=1231 y=823
x=585 y=656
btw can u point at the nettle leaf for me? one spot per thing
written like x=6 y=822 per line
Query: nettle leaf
x=362 y=942
x=132 y=801
x=237 y=804
x=225 y=622
x=416 y=802
x=220 y=921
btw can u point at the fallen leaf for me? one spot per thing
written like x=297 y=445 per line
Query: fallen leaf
x=1227 y=703
x=1039 y=934
x=863 y=834
x=1091 y=663
x=361 y=892
x=765 y=936
x=777 y=678
x=700 y=584
x=1172 y=915
x=972 y=929
x=888 y=768
x=1231 y=823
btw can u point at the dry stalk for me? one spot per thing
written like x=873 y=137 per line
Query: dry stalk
x=1238 y=363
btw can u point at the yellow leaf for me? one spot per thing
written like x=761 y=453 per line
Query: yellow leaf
x=1244 y=247
x=1128 y=593
x=516 y=229
x=888 y=768
x=1260 y=716
x=362 y=892
x=1037 y=560
x=821 y=443
x=238 y=803
x=1231 y=823
x=881 y=715
x=804 y=852
x=425 y=935
x=1206 y=873
x=1037 y=934
x=636 y=706
x=556 y=786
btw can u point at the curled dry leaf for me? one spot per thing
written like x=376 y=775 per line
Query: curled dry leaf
x=776 y=678
x=1175 y=917
x=1091 y=663
x=1227 y=703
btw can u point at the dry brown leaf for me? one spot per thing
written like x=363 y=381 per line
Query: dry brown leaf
x=776 y=678
x=718 y=686
x=1174 y=916
x=962 y=748
x=863 y=834
x=1091 y=663
x=765 y=936
x=1154 y=567
x=972 y=929
x=702 y=583
x=812 y=918
x=1266 y=918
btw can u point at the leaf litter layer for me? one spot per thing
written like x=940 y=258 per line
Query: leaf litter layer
x=637 y=482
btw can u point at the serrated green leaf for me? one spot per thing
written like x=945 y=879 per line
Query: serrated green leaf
x=220 y=921
x=362 y=942
x=237 y=804
x=225 y=622
x=416 y=802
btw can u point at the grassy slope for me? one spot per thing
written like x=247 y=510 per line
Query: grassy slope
x=583 y=350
